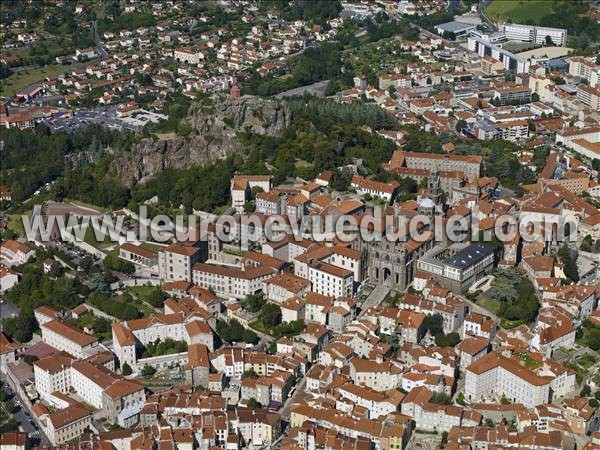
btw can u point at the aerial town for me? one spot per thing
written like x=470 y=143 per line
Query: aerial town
x=300 y=224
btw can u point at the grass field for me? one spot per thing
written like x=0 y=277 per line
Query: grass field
x=519 y=11
x=20 y=80
x=15 y=223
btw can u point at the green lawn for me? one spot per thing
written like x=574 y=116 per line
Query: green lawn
x=15 y=223
x=143 y=293
x=488 y=303
x=20 y=80
x=519 y=11
x=90 y=238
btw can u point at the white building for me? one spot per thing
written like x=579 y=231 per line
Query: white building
x=69 y=339
x=241 y=188
x=535 y=34
x=16 y=252
x=175 y=262
x=494 y=376
x=231 y=282
x=584 y=68
x=52 y=374
x=377 y=403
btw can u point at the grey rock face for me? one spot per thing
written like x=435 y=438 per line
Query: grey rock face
x=214 y=123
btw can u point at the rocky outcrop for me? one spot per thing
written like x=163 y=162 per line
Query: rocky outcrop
x=212 y=124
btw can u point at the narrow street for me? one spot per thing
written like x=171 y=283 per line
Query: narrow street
x=24 y=419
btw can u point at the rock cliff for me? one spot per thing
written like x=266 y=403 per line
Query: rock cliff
x=214 y=123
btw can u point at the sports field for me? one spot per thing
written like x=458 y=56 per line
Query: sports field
x=519 y=11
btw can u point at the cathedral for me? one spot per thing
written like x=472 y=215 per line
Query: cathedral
x=393 y=262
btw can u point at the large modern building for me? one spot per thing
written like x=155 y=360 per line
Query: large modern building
x=589 y=96
x=456 y=28
x=511 y=61
x=535 y=34
x=457 y=267
x=584 y=68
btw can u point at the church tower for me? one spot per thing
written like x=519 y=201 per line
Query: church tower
x=434 y=189
x=235 y=89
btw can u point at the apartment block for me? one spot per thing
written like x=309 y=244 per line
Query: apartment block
x=537 y=35
x=584 y=68
x=589 y=96
x=516 y=94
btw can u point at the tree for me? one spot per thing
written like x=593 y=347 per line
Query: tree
x=9 y=406
x=30 y=359
x=126 y=369
x=441 y=398
x=341 y=180
x=86 y=263
x=148 y=371
x=593 y=403
x=444 y=438
x=270 y=315
x=433 y=324
x=156 y=297
x=447 y=340
x=21 y=327
x=254 y=302
x=230 y=332
x=113 y=262
x=250 y=373
x=461 y=125
x=249 y=336
x=253 y=404
x=571 y=270
x=585 y=391
x=586 y=244
x=460 y=399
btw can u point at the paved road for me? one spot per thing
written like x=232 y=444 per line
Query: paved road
x=285 y=411
x=375 y=298
x=588 y=266
x=23 y=418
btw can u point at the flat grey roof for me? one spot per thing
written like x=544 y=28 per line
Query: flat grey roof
x=469 y=255
x=455 y=27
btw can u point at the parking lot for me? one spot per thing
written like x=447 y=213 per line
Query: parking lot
x=105 y=116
